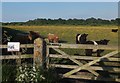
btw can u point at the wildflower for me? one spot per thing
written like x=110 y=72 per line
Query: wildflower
x=27 y=74
x=20 y=68
x=22 y=75
x=34 y=69
x=42 y=77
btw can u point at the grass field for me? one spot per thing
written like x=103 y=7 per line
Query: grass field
x=67 y=33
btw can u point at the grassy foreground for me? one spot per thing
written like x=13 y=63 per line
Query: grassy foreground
x=67 y=33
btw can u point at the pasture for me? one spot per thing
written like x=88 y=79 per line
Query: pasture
x=67 y=34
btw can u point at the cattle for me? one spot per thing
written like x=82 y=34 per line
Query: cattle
x=82 y=39
x=53 y=38
x=114 y=30
x=6 y=37
x=22 y=38
x=89 y=52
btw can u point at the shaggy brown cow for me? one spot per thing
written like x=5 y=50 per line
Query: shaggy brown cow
x=53 y=38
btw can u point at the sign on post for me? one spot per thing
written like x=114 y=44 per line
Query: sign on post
x=13 y=46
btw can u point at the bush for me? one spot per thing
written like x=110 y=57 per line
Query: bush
x=8 y=73
x=32 y=74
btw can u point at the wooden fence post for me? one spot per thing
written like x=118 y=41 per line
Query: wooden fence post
x=18 y=61
x=47 y=57
x=38 y=52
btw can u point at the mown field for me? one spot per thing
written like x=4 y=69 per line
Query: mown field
x=67 y=33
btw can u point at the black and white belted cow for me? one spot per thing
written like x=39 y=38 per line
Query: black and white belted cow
x=82 y=39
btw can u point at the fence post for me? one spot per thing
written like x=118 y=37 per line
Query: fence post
x=38 y=52
x=47 y=56
x=18 y=61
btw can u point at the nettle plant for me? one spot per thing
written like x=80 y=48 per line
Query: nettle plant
x=29 y=74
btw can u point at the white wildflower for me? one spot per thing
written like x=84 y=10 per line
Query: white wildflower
x=36 y=80
x=19 y=80
x=31 y=74
x=42 y=77
x=20 y=68
x=25 y=68
x=34 y=76
x=22 y=75
x=26 y=73
x=34 y=69
x=31 y=79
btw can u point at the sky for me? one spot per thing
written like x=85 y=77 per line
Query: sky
x=60 y=0
x=24 y=11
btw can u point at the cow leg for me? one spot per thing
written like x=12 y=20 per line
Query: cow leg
x=55 y=41
x=50 y=41
x=88 y=52
x=98 y=53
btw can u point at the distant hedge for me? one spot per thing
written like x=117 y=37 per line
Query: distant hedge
x=60 y=21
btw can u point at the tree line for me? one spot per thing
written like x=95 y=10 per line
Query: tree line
x=90 y=21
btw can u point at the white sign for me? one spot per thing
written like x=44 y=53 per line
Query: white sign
x=13 y=46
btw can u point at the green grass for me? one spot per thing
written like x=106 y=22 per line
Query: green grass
x=68 y=33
